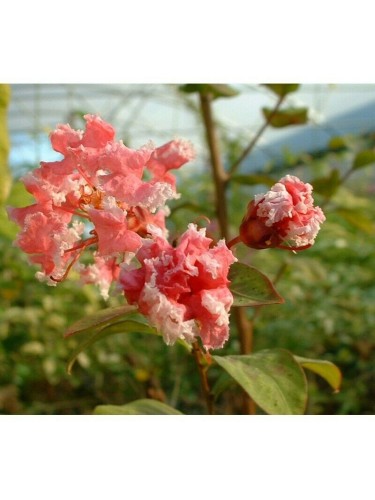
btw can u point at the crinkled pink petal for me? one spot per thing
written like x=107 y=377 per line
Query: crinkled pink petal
x=118 y=158
x=151 y=195
x=155 y=246
x=65 y=137
x=302 y=229
x=19 y=215
x=123 y=190
x=166 y=315
x=171 y=155
x=46 y=236
x=112 y=230
x=101 y=273
x=47 y=184
x=97 y=133
x=213 y=267
x=211 y=309
x=132 y=282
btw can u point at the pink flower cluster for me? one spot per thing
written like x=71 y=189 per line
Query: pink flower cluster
x=284 y=217
x=184 y=290
x=96 y=195
x=104 y=195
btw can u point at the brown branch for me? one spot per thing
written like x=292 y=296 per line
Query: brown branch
x=220 y=177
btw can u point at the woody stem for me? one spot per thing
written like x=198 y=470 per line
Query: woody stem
x=220 y=177
x=221 y=183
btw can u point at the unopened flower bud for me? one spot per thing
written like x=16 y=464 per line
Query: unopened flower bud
x=284 y=217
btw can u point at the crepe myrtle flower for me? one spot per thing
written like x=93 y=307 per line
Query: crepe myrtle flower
x=285 y=217
x=182 y=290
x=101 y=194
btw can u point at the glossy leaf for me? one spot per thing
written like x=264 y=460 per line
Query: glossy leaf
x=250 y=287
x=215 y=89
x=286 y=117
x=99 y=319
x=89 y=336
x=325 y=369
x=138 y=407
x=253 y=179
x=282 y=89
x=363 y=159
x=272 y=378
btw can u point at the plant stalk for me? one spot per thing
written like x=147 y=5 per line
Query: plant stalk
x=202 y=368
x=221 y=178
x=219 y=175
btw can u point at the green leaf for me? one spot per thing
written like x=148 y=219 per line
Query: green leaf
x=272 y=378
x=363 y=159
x=99 y=319
x=223 y=382
x=325 y=369
x=90 y=337
x=357 y=219
x=282 y=89
x=215 y=89
x=5 y=175
x=253 y=179
x=138 y=407
x=337 y=143
x=286 y=117
x=250 y=287
x=327 y=186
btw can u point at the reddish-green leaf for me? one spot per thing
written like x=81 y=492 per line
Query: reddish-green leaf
x=138 y=407
x=250 y=287
x=286 y=117
x=272 y=378
x=325 y=369
x=363 y=159
x=90 y=336
x=282 y=89
x=216 y=90
x=99 y=319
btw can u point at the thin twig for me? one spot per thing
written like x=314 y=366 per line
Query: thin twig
x=202 y=368
x=255 y=139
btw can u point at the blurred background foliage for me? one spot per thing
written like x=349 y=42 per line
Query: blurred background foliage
x=329 y=292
